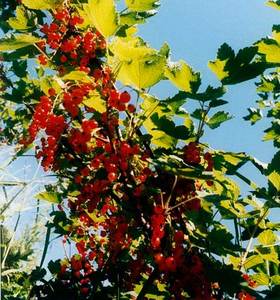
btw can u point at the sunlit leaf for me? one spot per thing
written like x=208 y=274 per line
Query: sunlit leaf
x=20 y=21
x=48 y=196
x=267 y=238
x=142 y=5
x=274 y=4
x=135 y=63
x=217 y=119
x=42 y=4
x=17 y=42
x=103 y=15
x=182 y=76
x=77 y=76
x=95 y=101
x=260 y=278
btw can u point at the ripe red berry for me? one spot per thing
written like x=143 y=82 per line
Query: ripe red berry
x=124 y=97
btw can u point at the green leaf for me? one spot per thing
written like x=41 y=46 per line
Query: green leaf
x=168 y=126
x=255 y=114
x=182 y=76
x=142 y=5
x=232 y=69
x=103 y=15
x=42 y=4
x=19 y=68
x=48 y=196
x=131 y=18
x=150 y=106
x=273 y=176
x=20 y=21
x=217 y=119
x=267 y=238
x=229 y=162
x=17 y=42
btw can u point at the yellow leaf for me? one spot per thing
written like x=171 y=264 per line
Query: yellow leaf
x=95 y=218
x=271 y=51
x=273 y=4
x=103 y=15
x=135 y=63
x=141 y=5
x=42 y=4
x=217 y=67
x=95 y=101
x=274 y=178
x=181 y=75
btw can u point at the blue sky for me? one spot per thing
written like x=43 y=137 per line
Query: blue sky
x=195 y=30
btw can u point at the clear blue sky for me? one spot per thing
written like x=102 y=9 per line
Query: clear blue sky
x=195 y=29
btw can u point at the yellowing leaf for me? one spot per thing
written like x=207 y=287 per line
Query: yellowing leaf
x=96 y=102
x=103 y=15
x=142 y=5
x=17 y=42
x=271 y=51
x=273 y=4
x=274 y=178
x=94 y=216
x=20 y=21
x=224 y=186
x=267 y=238
x=181 y=75
x=260 y=278
x=48 y=196
x=217 y=67
x=77 y=76
x=42 y=4
x=135 y=63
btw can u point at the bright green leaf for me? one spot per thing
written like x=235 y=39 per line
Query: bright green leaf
x=217 y=119
x=142 y=5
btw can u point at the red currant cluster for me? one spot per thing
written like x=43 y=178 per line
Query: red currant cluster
x=252 y=283
x=157 y=225
x=53 y=125
x=114 y=186
x=245 y=296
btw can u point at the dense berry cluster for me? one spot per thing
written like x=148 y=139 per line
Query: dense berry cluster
x=124 y=215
